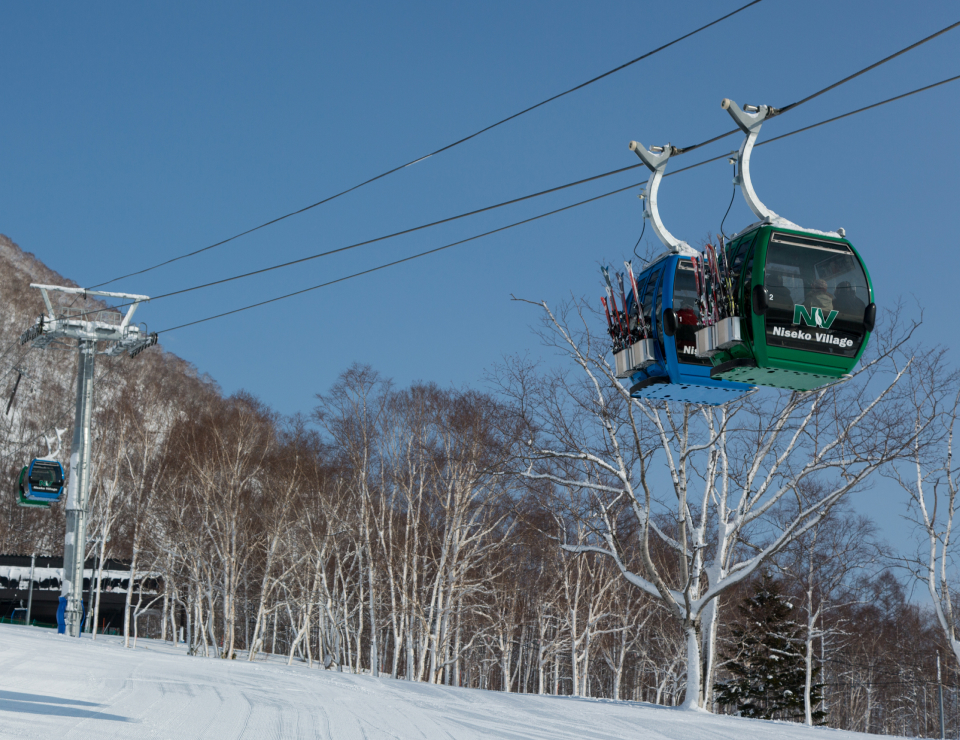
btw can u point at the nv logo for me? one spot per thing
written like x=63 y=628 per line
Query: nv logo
x=814 y=317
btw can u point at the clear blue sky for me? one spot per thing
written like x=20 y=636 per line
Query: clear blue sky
x=134 y=132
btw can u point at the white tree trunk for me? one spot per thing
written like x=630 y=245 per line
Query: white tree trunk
x=128 y=601
x=808 y=678
x=96 y=601
x=691 y=699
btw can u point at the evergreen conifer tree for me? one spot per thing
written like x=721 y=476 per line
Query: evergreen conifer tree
x=766 y=661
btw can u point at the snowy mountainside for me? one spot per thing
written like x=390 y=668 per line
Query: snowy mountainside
x=19 y=265
x=55 y=686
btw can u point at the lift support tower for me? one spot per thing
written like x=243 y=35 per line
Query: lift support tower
x=114 y=334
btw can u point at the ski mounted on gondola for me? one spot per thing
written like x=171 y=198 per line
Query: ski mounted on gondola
x=632 y=345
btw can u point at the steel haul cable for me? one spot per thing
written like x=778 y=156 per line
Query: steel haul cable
x=589 y=179
x=441 y=149
x=527 y=197
x=400 y=261
x=528 y=220
x=520 y=199
x=779 y=111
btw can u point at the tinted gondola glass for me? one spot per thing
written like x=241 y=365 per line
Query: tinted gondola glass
x=817 y=293
x=688 y=315
x=22 y=499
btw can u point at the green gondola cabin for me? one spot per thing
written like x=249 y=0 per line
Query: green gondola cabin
x=806 y=309
x=804 y=300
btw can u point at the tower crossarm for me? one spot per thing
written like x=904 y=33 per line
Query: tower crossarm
x=107 y=325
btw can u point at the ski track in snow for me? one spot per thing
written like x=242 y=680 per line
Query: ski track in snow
x=57 y=687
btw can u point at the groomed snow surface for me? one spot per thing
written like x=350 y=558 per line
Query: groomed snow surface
x=54 y=687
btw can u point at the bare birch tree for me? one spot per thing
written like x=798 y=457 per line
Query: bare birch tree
x=669 y=492
x=820 y=567
x=932 y=480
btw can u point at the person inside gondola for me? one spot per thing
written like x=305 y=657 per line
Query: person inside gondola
x=686 y=338
x=818 y=297
x=846 y=302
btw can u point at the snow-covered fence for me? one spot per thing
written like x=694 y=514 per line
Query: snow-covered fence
x=50 y=579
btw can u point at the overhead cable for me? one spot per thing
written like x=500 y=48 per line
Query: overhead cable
x=544 y=215
x=520 y=199
x=405 y=259
x=526 y=197
x=9 y=370
x=412 y=229
x=437 y=151
x=778 y=111
x=861 y=110
x=567 y=185
x=921 y=42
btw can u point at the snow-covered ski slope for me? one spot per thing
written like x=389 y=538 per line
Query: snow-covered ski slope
x=55 y=687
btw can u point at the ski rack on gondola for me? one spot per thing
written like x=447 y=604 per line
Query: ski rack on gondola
x=632 y=344
x=719 y=319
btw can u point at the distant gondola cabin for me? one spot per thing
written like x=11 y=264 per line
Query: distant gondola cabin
x=43 y=481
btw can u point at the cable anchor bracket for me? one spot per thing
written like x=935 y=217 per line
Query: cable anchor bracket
x=655 y=159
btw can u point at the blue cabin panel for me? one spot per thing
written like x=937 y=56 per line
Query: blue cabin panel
x=678 y=374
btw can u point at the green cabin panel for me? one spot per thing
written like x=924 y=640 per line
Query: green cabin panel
x=806 y=264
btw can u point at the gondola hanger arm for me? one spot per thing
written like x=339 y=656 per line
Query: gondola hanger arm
x=750 y=118
x=655 y=159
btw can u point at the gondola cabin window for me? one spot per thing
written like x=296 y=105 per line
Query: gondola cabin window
x=745 y=283
x=647 y=302
x=688 y=315
x=737 y=252
x=659 y=310
x=817 y=293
